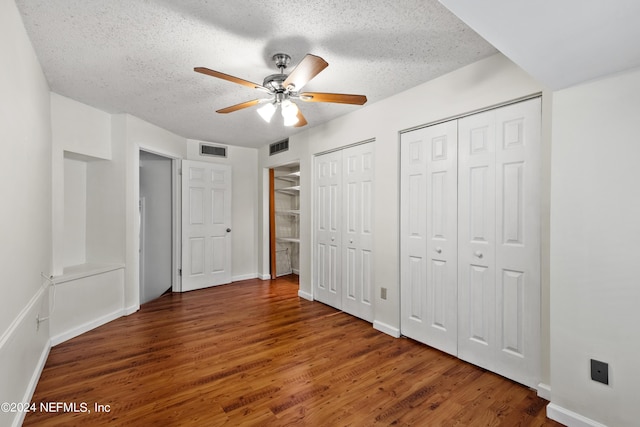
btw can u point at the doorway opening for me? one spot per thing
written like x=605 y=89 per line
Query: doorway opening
x=157 y=226
x=284 y=220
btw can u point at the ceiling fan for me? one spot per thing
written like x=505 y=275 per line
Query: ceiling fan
x=285 y=88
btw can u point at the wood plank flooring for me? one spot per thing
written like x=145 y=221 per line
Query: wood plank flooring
x=254 y=354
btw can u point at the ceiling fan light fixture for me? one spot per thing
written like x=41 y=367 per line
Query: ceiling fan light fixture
x=289 y=112
x=267 y=111
x=290 y=121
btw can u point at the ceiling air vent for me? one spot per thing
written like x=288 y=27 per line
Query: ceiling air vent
x=278 y=147
x=213 y=150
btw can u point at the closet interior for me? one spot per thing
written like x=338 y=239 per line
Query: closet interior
x=284 y=219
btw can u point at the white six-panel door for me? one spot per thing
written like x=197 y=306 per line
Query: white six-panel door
x=328 y=236
x=477 y=229
x=206 y=224
x=498 y=239
x=343 y=219
x=428 y=234
x=357 y=244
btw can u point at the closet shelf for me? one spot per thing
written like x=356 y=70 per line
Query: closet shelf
x=290 y=177
x=293 y=191
x=289 y=212
x=288 y=239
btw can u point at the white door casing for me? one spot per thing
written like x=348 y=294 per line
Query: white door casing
x=206 y=224
x=499 y=241
x=357 y=241
x=327 y=229
x=429 y=236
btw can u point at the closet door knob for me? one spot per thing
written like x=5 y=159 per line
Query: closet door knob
x=439 y=250
x=478 y=254
x=333 y=239
x=350 y=240
x=228 y=230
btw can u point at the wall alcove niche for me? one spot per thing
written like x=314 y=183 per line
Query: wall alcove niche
x=90 y=288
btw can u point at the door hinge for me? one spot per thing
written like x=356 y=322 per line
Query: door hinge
x=179 y=272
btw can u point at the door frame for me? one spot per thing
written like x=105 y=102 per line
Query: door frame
x=265 y=273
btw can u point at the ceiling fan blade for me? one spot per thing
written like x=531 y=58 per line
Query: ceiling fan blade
x=240 y=106
x=338 y=98
x=301 y=120
x=229 y=78
x=308 y=68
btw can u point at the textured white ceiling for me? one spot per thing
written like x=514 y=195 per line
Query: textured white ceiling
x=137 y=56
x=560 y=43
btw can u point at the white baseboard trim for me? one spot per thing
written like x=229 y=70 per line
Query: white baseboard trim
x=33 y=382
x=570 y=418
x=296 y=271
x=305 y=295
x=244 y=277
x=132 y=309
x=86 y=327
x=387 y=329
x=544 y=391
x=264 y=277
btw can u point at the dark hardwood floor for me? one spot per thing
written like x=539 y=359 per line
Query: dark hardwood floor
x=254 y=354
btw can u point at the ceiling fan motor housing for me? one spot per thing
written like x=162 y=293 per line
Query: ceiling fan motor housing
x=274 y=82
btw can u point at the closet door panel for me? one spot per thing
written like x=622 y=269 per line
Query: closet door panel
x=429 y=236
x=499 y=241
x=357 y=183
x=327 y=266
x=413 y=234
x=476 y=231
x=518 y=241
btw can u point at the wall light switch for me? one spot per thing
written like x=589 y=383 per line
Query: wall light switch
x=600 y=371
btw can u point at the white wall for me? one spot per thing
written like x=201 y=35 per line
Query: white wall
x=244 y=196
x=595 y=229
x=80 y=133
x=75 y=212
x=88 y=219
x=130 y=134
x=492 y=81
x=25 y=212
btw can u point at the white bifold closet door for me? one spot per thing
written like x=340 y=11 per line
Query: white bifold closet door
x=343 y=247
x=482 y=302
x=327 y=265
x=429 y=236
x=499 y=241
